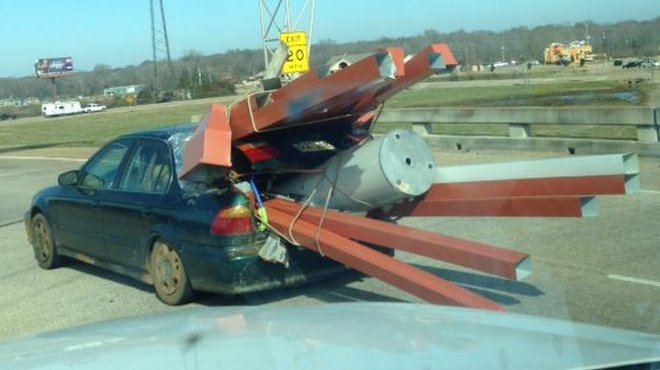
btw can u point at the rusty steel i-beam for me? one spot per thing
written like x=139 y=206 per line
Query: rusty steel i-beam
x=587 y=185
x=493 y=260
x=552 y=206
x=361 y=258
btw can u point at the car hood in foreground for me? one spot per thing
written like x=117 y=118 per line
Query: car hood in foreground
x=332 y=336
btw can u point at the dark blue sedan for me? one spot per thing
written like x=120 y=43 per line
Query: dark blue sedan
x=125 y=210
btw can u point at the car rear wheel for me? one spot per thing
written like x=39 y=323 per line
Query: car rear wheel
x=45 y=251
x=169 y=275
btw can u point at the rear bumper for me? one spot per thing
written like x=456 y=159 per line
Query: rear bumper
x=211 y=269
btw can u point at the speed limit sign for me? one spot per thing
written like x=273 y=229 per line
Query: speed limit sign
x=297 y=59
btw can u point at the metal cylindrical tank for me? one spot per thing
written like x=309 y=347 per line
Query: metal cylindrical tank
x=378 y=173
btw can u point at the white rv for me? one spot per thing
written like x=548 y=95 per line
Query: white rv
x=61 y=108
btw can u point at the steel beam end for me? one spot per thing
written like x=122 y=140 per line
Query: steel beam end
x=209 y=146
x=437 y=63
x=589 y=206
x=386 y=65
x=524 y=268
x=631 y=184
x=631 y=164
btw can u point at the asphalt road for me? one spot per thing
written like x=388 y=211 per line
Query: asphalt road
x=600 y=270
x=20 y=178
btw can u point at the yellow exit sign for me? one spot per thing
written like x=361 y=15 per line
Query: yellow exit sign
x=297 y=59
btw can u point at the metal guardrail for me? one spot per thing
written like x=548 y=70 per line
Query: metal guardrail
x=520 y=119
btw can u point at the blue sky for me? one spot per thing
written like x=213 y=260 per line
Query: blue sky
x=117 y=32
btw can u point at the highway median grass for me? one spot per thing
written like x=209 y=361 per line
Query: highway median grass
x=611 y=93
x=92 y=130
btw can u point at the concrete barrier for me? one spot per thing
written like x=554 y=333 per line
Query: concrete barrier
x=520 y=119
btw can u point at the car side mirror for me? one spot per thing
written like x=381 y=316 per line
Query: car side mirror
x=69 y=178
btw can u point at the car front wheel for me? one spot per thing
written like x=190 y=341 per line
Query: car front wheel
x=43 y=244
x=169 y=275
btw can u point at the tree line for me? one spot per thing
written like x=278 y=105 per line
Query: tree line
x=201 y=75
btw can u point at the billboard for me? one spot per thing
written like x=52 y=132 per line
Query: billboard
x=53 y=67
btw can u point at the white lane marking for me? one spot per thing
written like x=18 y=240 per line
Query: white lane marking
x=634 y=280
x=13 y=173
x=42 y=158
x=20 y=172
x=650 y=191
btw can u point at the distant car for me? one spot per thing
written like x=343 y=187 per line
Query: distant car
x=126 y=210
x=91 y=108
x=649 y=63
x=633 y=64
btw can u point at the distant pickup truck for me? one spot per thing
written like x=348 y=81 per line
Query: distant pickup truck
x=91 y=108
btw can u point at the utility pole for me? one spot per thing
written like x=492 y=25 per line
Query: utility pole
x=587 y=37
x=163 y=74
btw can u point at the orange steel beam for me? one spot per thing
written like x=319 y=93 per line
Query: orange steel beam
x=428 y=61
x=560 y=206
x=420 y=66
x=211 y=142
x=398 y=58
x=587 y=185
x=367 y=100
x=348 y=103
x=302 y=99
x=346 y=96
x=478 y=256
x=385 y=268
x=304 y=82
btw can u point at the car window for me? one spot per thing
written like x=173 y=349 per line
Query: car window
x=149 y=170
x=101 y=171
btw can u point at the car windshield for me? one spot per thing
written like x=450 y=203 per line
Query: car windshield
x=460 y=159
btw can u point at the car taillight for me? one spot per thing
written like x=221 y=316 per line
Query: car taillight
x=232 y=220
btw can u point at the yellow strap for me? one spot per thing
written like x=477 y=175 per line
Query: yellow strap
x=262 y=215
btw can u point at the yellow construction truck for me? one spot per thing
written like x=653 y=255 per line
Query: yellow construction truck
x=575 y=52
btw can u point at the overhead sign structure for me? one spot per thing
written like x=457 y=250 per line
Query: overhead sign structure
x=53 y=67
x=297 y=58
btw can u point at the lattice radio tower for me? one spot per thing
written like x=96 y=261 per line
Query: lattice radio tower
x=276 y=17
x=163 y=69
